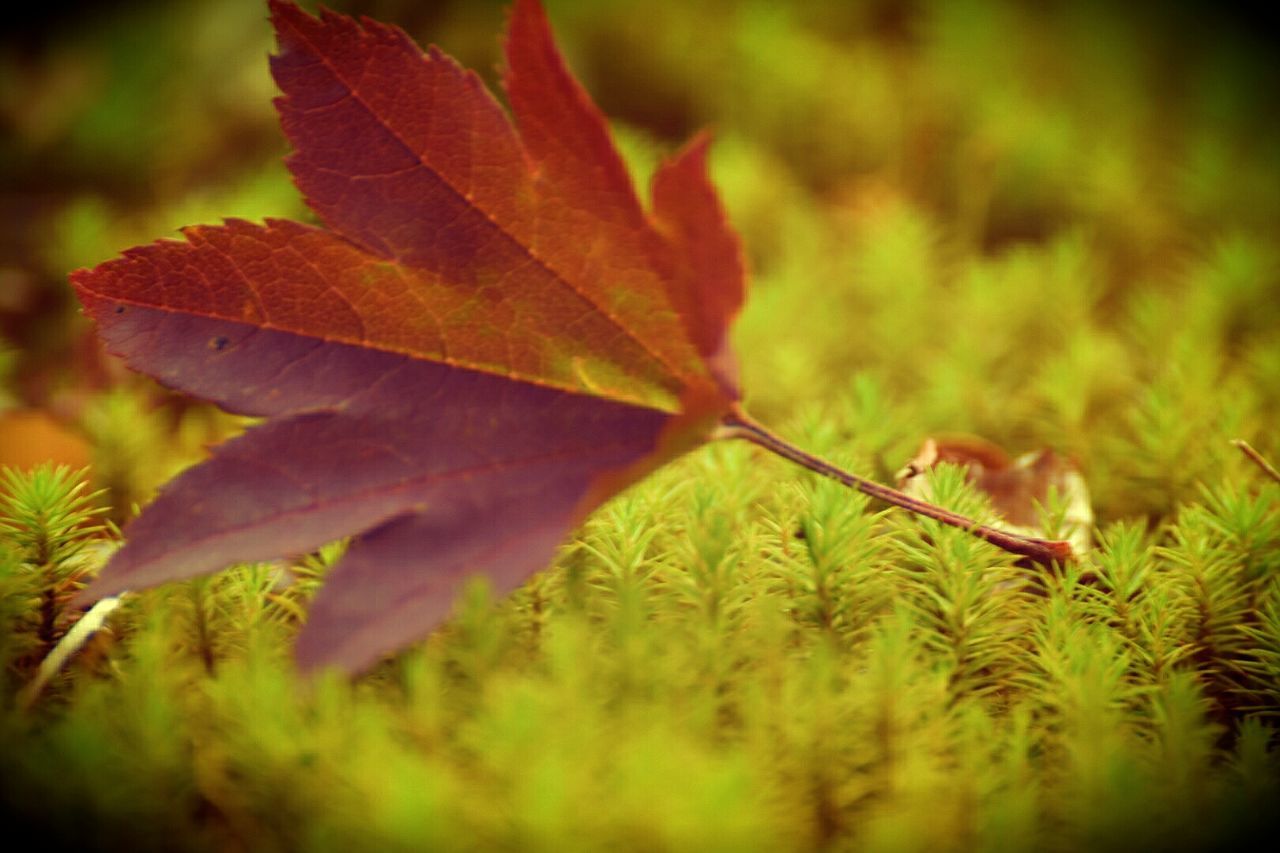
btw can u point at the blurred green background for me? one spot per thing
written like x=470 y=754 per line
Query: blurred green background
x=1031 y=221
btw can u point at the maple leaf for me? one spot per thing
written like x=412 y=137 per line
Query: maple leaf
x=489 y=336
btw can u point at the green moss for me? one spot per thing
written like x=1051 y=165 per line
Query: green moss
x=730 y=656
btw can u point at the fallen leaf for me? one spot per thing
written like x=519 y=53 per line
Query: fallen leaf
x=489 y=336
x=1019 y=489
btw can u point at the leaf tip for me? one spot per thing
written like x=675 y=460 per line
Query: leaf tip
x=80 y=279
x=279 y=10
x=528 y=34
x=316 y=652
x=97 y=590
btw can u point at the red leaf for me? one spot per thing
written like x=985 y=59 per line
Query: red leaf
x=490 y=337
x=711 y=284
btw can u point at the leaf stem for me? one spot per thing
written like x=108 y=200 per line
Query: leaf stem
x=72 y=641
x=737 y=424
x=1257 y=458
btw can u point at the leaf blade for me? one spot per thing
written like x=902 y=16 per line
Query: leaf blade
x=489 y=326
x=713 y=288
x=417 y=434
x=294 y=278
x=407 y=190
x=400 y=579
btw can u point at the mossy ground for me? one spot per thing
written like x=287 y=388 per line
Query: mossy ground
x=1051 y=232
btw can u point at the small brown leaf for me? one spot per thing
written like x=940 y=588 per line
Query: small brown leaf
x=1018 y=488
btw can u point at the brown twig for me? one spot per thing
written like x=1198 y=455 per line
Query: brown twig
x=1044 y=551
x=1257 y=458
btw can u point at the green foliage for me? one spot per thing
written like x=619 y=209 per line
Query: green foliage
x=48 y=526
x=17 y=590
x=728 y=657
x=47 y=514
